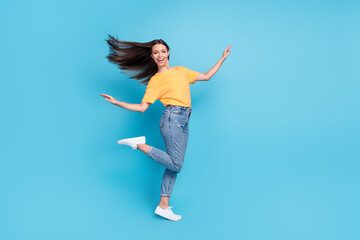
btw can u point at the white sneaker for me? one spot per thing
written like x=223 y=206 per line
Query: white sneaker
x=167 y=213
x=132 y=142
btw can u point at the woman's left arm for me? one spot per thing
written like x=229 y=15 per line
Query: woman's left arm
x=206 y=76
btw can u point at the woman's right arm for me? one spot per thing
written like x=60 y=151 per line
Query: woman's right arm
x=129 y=106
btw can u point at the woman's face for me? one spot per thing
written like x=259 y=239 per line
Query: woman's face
x=160 y=54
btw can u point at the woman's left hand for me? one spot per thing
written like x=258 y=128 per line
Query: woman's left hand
x=226 y=52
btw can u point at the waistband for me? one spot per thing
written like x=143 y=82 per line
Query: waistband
x=186 y=109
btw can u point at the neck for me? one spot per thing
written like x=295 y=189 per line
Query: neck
x=163 y=68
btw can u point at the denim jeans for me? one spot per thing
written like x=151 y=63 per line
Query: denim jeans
x=174 y=128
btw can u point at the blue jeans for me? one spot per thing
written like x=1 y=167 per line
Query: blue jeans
x=174 y=127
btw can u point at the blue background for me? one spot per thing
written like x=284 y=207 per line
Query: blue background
x=274 y=142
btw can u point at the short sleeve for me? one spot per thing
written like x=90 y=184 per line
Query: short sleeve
x=151 y=93
x=191 y=75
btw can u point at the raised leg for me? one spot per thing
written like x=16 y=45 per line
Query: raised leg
x=143 y=147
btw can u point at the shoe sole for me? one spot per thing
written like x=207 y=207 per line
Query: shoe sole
x=167 y=218
x=120 y=142
x=126 y=139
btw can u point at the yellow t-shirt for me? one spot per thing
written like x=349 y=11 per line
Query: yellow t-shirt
x=171 y=87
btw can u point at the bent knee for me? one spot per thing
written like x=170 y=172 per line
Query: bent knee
x=177 y=168
x=177 y=163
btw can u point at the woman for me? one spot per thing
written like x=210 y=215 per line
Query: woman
x=150 y=61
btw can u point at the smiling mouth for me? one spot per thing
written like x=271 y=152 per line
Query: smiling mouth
x=161 y=60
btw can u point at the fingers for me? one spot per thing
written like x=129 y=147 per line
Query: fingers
x=227 y=51
x=109 y=98
x=106 y=96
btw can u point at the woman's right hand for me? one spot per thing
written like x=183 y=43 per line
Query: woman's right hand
x=109 y=98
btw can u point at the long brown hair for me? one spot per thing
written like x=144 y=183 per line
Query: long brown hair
x=134 y=57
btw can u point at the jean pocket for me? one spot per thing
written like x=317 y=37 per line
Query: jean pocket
x=178 y=120
x=176 y=111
